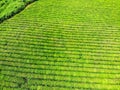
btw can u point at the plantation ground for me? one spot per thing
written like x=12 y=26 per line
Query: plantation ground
x=62 y=45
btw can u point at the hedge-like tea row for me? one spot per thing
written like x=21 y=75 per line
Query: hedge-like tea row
x=12 y=7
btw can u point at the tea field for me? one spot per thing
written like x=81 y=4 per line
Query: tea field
x=62 y=45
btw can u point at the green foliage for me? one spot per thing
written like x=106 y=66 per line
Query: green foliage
x=62 y=45
x=8 y=8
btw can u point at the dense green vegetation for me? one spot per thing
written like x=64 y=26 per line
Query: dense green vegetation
x=62 y=45
x=8 y=8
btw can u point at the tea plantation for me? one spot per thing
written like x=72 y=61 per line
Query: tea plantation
x=62 y=45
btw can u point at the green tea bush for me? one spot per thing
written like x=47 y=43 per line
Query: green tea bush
x=12 y=7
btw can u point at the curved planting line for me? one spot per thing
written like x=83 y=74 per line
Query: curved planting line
x=16 y=10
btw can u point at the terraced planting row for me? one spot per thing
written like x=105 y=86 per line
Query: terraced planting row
x=59 y=45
